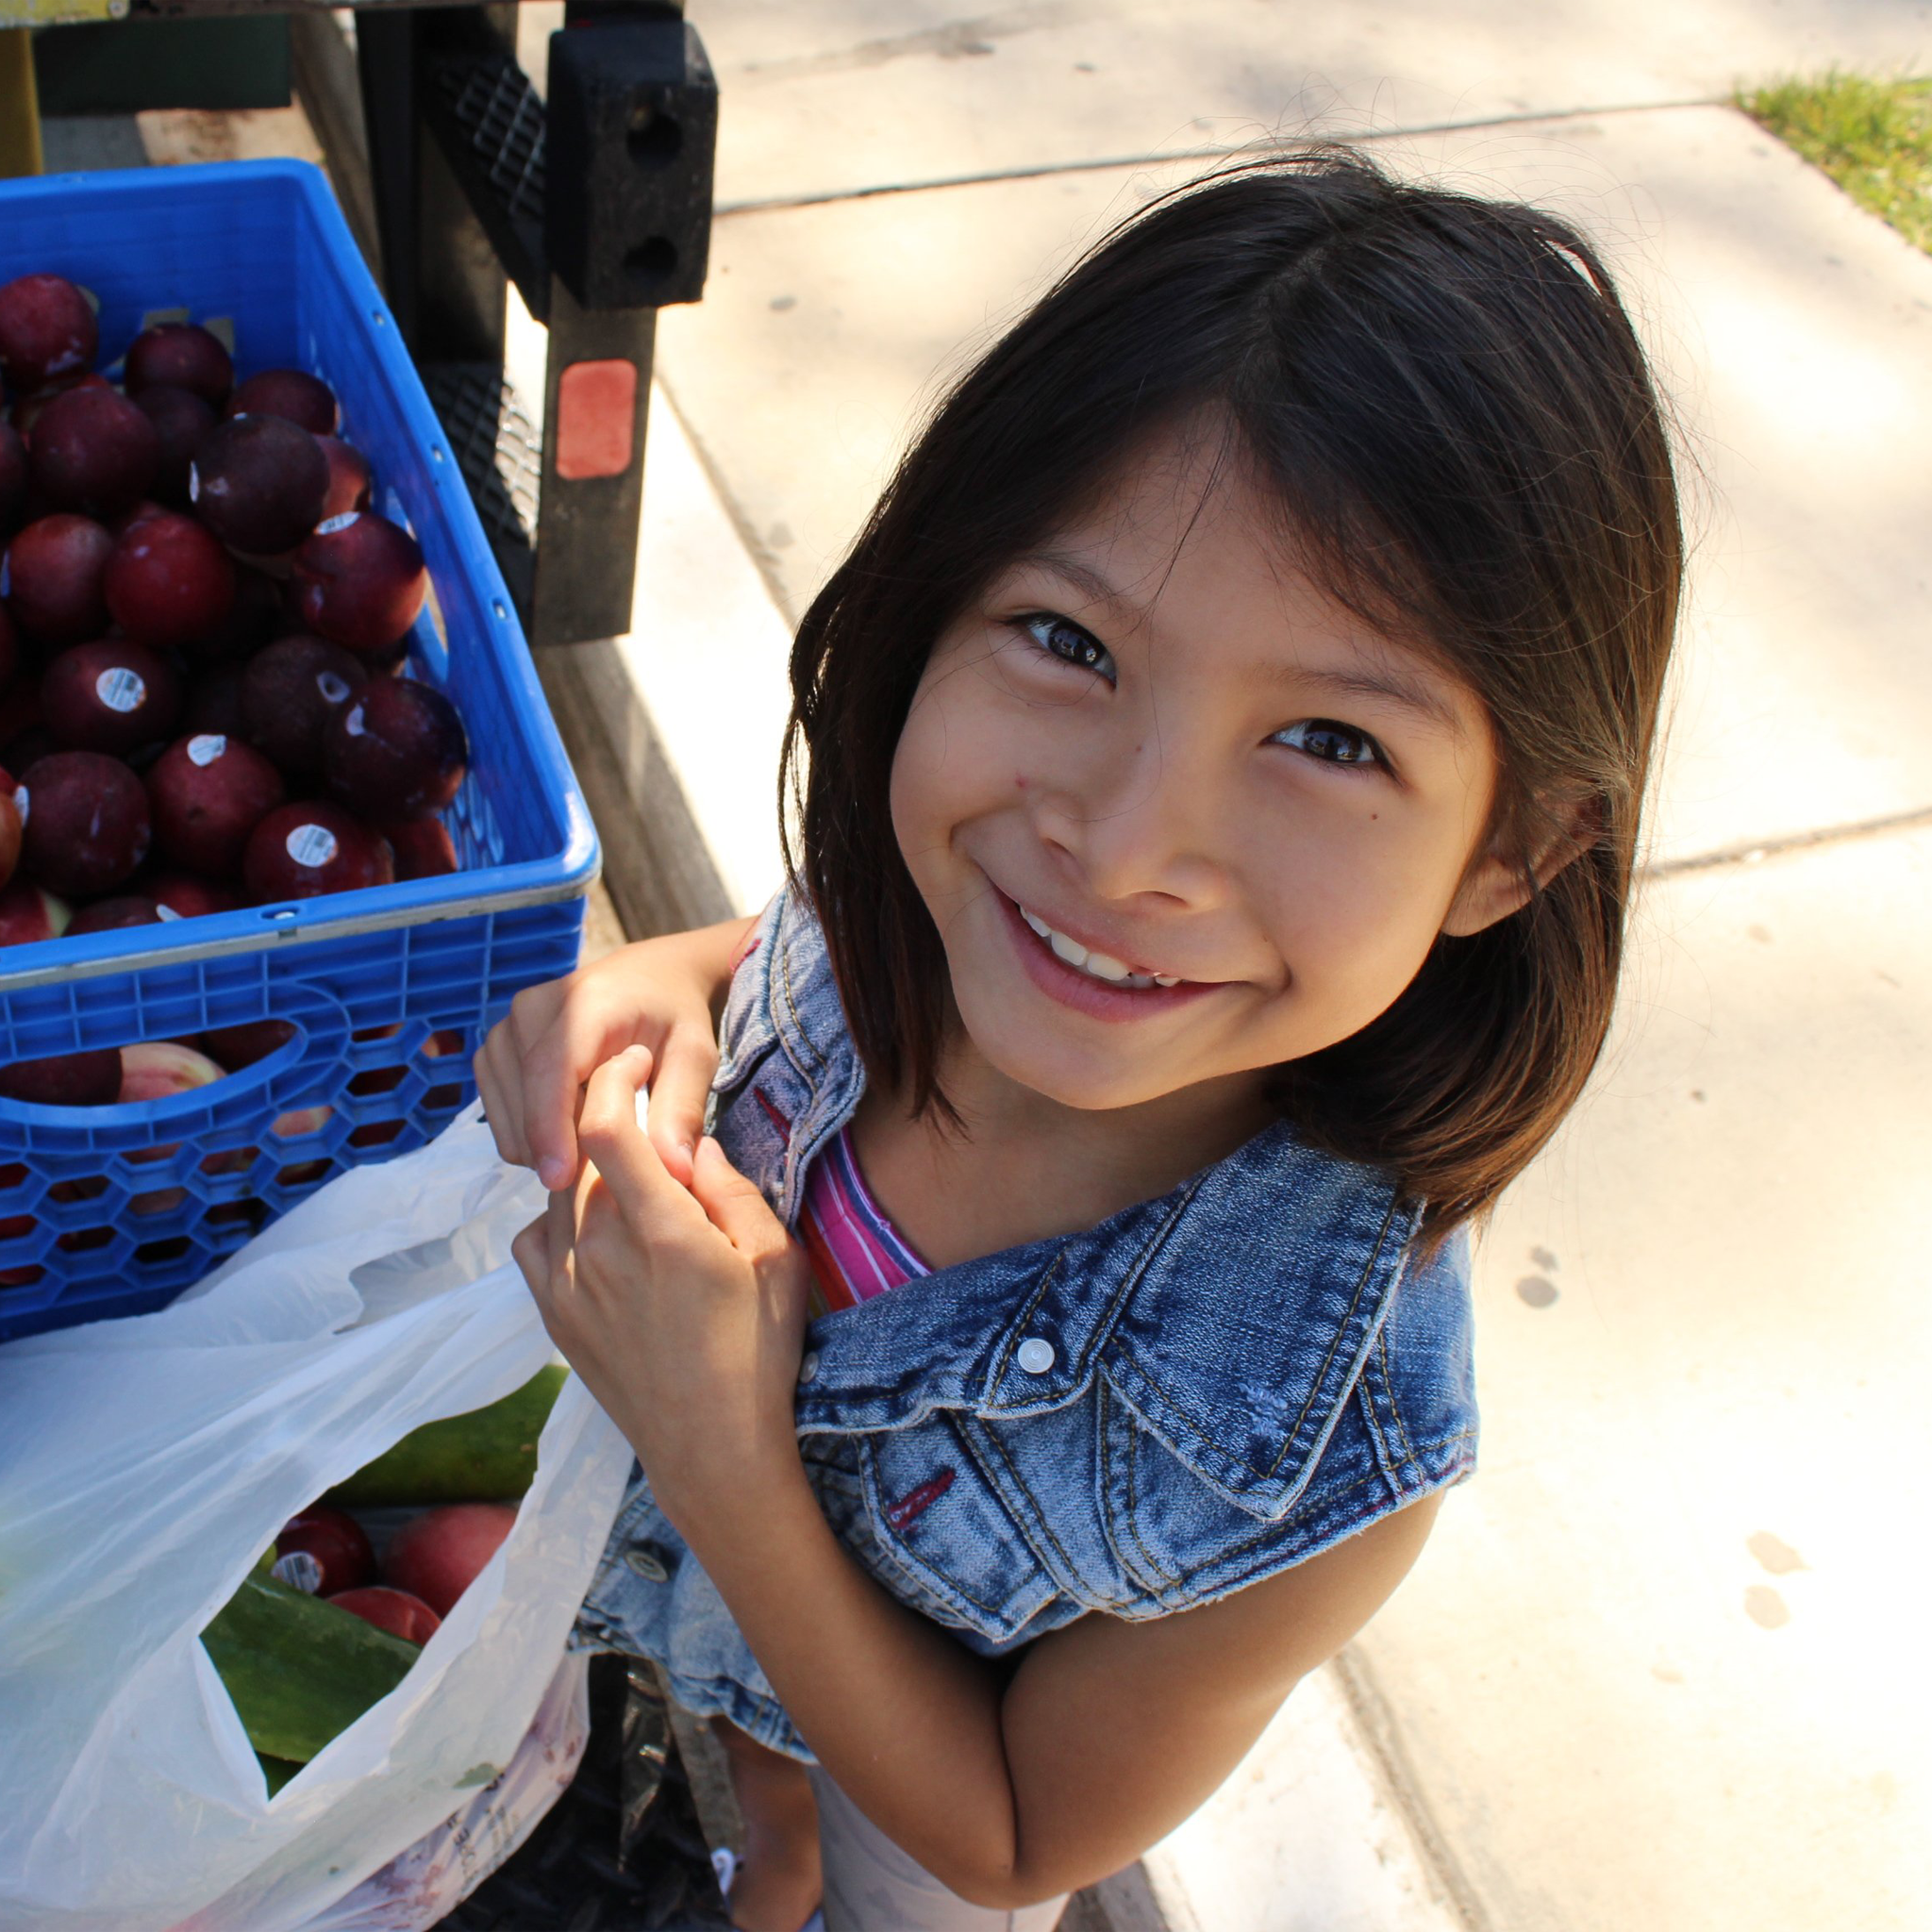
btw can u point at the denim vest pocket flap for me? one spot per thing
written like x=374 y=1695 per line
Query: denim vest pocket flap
x=1246 y=1385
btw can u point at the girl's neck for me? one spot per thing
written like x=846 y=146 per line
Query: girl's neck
x=1021 y=1167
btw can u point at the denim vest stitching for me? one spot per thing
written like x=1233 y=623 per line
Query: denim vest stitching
x=996 y=1373
x=1335 y=1345
x=1169 y=1580
x=1149 y=1567
x=783 y=968
x=1369 y=1398
x=1386 y=1383
x=1042 y=1523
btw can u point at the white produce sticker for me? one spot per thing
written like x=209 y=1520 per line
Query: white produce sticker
x=329 y=525
x=333 y=688
x=206 y=748
x=312 y=845
x=300 y=1570
x=354 y=723
x=21 y=803
x=121 y=689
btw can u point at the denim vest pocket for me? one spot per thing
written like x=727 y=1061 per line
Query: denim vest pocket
x=924 y=1519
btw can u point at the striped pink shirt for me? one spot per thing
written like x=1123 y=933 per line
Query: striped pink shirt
x=856 y=1252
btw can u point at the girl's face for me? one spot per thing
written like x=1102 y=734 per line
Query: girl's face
x=1177 y=814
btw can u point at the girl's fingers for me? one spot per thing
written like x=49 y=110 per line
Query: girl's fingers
x=560 y=1227
x=680 y=1091
x=654 y=1204
x=580 y=1038
x=530 y=1251
x=734 y=1207
x=500 y=1088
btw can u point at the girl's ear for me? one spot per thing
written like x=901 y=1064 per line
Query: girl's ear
x=1498 y=883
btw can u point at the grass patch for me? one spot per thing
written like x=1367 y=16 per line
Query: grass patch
x=1873 y=137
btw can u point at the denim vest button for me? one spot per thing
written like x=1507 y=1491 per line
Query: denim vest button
x=647 y=1564
x=1036 y=1355
x=809 y=1367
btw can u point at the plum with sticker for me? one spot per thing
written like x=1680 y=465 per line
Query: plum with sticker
x=111 y=696
x=359 y=581
x=182 y=421
x=305 y=850
x=207 y=793
x=89 y=828
x=260 y=483
x=398 y=752
x=289 y=692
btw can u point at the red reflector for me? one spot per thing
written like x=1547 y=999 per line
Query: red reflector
x=596 y=412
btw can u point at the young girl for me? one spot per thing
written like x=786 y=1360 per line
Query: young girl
x=1218 y=768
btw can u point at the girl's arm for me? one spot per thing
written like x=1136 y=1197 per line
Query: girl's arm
x=1106 y=1737
x=663 y=995
x=684 y=1310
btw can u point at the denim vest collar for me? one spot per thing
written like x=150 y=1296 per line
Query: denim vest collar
x=1234 y=1315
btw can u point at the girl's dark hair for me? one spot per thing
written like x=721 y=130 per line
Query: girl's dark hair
x=1450 y=403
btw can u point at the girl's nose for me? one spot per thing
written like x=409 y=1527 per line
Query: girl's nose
x=1137 y=822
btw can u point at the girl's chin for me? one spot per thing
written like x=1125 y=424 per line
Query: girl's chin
x=1087 y=1083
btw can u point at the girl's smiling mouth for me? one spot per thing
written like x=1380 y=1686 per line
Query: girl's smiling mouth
x=1070 y=952
x=1090 y=981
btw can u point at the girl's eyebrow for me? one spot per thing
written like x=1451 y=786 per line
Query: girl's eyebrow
x=1384 y=682
x=1083 y=576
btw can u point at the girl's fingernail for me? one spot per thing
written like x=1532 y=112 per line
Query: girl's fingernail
x=553 y=1174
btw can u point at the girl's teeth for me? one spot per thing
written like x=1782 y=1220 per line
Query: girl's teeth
x=1101 y=965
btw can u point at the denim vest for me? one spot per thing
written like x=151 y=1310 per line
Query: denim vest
x=1202 y=1391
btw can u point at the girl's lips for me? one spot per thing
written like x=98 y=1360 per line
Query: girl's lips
x=1097 y=998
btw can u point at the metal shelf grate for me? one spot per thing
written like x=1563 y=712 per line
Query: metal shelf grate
x=500 y=452
x=503 y=117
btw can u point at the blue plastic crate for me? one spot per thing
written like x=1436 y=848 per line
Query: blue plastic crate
x=113 y=1210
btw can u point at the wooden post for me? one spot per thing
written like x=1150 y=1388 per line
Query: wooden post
x=20 y=106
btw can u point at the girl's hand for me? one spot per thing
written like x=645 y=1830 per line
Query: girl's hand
x=662 y=995
x=683 y=1310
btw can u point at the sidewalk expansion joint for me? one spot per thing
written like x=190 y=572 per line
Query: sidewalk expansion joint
x=1255 y=150
x=1401 y=1786
x=1755 y=851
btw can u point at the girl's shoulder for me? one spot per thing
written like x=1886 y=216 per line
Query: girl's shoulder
x=783 y=995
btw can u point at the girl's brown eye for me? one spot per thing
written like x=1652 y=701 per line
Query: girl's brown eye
x=1061 y=637
x=1331 y=743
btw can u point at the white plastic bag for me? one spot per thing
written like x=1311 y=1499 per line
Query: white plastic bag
x=428 y=1882
x=144 y=1464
